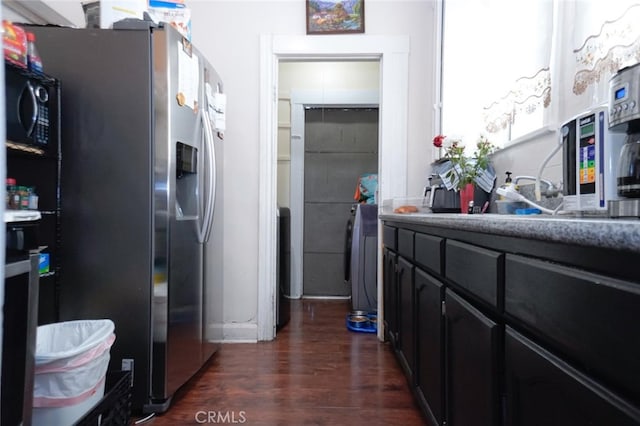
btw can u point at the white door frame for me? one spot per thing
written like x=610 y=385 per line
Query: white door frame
x=393 y=53
x=299 y=100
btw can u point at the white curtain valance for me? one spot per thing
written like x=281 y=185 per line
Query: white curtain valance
x=527 y=95
x=607 y=46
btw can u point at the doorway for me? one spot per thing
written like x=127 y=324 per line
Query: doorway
x=304 y=85
x=340 y=145
x=300 y=101
x=393 y=54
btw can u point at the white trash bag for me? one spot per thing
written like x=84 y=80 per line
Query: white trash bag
x=70 y=366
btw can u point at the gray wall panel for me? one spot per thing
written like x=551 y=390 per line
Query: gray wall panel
x=323 y=275
x=336 y=130
x=340 y=145
x=323 y=222
x=332 y=177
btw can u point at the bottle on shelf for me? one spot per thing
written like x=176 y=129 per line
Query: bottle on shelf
x=12 y=201
x=24 y=192
x=33 y=199
x=34 y=63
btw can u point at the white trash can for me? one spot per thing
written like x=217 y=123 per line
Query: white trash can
x=70 y=367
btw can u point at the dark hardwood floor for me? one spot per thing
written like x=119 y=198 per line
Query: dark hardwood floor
x=316 y=372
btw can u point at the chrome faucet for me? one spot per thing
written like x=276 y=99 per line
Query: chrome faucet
x=551 y=190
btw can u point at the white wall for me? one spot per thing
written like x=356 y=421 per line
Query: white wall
x=525 y=158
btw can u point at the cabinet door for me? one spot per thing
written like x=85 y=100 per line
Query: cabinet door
x=390 y=297
x=589 y=318
x=429 y=294
x=406 y=320
x=471 y=357
x=543 y=390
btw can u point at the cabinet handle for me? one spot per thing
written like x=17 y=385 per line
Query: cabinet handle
x=443 y=308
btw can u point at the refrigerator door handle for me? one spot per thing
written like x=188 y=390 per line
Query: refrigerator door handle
x=201 y=199
x=211 y=165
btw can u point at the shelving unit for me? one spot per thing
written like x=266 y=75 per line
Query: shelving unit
x=39 y=166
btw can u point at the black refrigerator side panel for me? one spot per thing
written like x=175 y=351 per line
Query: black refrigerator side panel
x=107 y=184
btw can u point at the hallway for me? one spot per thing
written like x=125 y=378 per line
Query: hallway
x=315 y=372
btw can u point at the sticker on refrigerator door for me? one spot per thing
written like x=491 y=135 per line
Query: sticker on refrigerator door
x=181 y=98
x=216 y=105
x=188 y=79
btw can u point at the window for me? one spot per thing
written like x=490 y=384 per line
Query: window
x=496 y=56
x=511 y=67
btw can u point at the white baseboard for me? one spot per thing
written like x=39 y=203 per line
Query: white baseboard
x=326 y=297
x=240 y=333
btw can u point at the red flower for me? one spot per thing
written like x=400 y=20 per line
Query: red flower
x=437 y=141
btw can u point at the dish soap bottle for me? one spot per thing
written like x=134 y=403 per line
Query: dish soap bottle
x=34 y=63
x=507 y=184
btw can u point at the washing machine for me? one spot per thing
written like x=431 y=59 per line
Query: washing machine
x=346 y=261
x=362 y=269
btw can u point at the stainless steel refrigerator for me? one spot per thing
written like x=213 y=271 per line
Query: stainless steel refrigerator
x=141 y=191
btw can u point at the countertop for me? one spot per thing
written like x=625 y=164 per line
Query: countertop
x=620 y=234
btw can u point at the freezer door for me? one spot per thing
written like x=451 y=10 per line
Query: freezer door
x=180 y=212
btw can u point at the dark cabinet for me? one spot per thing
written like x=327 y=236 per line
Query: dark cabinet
x=429 y=354
x=541 y=389
x=503 y=330
x=429 y=253
x=406 y=321
x=390 y=306
x=476 y=270
x=589 y=318
x=390 y=237
x=405 y=243
x=472 y=371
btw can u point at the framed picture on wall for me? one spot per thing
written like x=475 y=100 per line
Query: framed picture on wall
x=335 y=16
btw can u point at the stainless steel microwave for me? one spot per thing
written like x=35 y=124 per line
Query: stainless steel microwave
x=29 y=108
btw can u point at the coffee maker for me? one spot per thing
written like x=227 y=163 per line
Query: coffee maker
x=441 y=199
x=624 y=116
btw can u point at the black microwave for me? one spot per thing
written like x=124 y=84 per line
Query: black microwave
x=30 y=107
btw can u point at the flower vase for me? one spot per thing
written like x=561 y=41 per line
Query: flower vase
x=466 y=195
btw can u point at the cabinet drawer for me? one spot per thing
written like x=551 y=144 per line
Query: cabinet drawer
x=390 y=237
x=475 y=269
x=428 y=252
x=405 y=243
x=592 y=319
x=543 y=390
